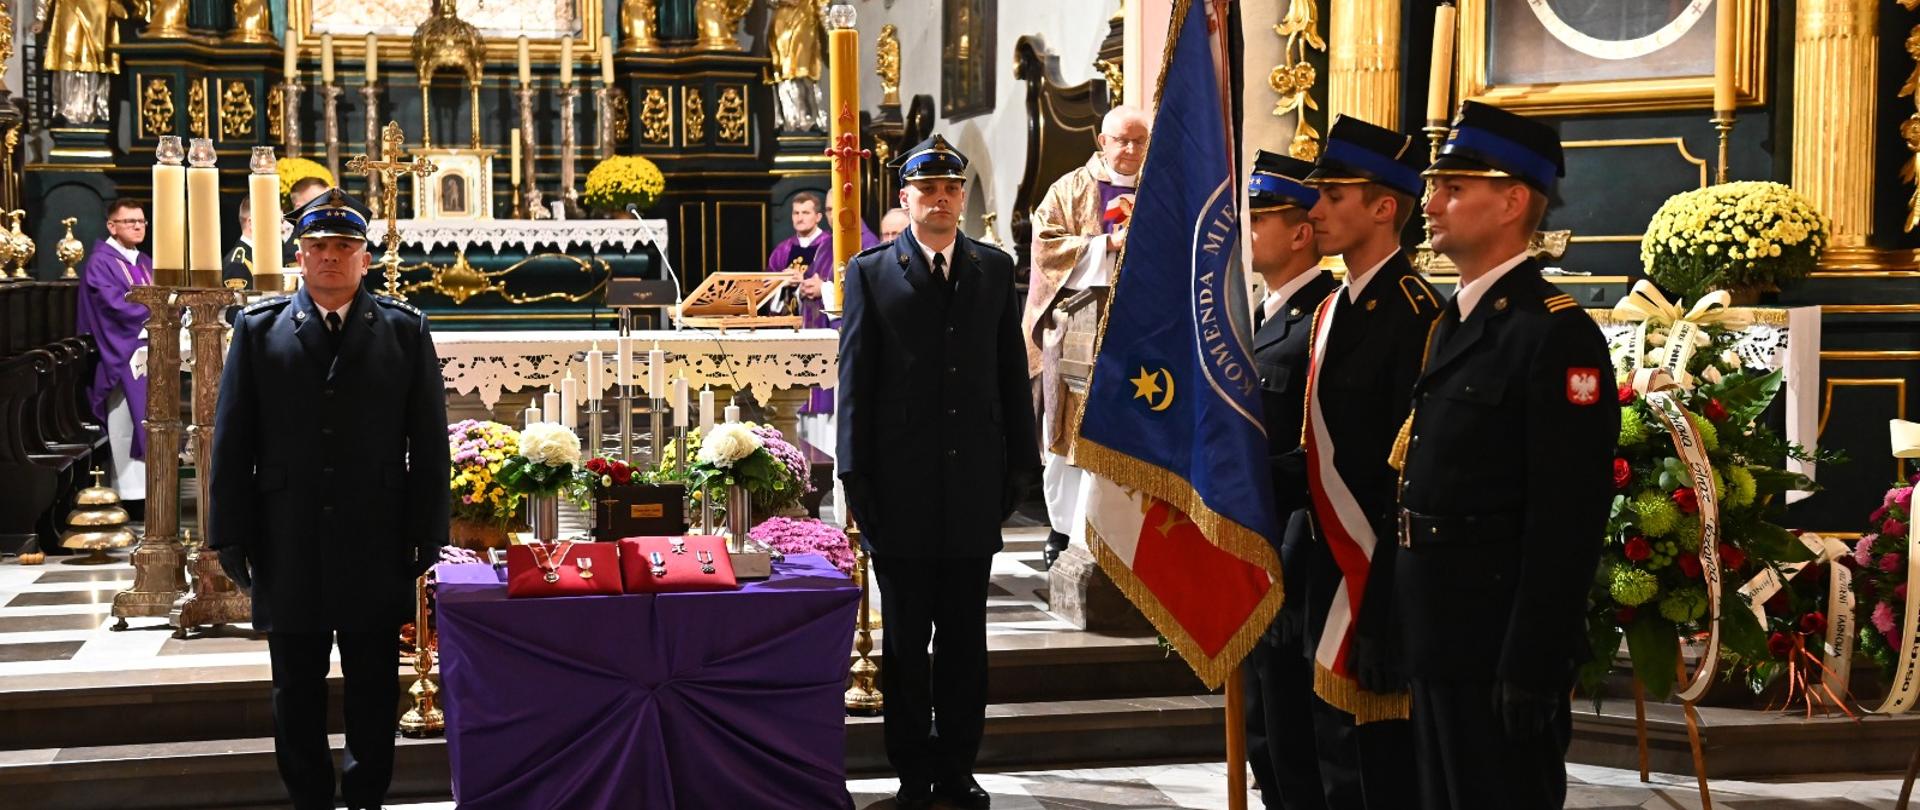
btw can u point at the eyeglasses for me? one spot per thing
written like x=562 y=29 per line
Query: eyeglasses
x=126 y=222
x=1128 y=143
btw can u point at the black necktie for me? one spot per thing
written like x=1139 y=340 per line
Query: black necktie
x=1449 y=323
x=940 y=266
x=1259 y=316
x=333 y=322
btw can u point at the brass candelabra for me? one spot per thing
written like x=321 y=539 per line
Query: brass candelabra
x=424 y=718
x=863 y=696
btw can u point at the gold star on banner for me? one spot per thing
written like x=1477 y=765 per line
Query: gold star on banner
x=1144 y=386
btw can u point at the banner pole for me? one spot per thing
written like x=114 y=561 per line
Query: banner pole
x=1236 y=743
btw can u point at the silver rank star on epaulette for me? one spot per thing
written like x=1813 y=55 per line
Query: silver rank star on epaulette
x=262 y=306
x=397 y=304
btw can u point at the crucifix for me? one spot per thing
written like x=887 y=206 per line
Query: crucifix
x=844 y=148
x=390 y=171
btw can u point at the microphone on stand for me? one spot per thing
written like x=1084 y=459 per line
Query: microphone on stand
x=666 y=264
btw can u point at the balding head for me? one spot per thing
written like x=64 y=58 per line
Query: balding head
x=1123 y=139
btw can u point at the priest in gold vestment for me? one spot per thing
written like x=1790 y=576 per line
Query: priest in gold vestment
x=1078 y=230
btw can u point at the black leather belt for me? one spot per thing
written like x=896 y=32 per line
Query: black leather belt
x=1420 y=531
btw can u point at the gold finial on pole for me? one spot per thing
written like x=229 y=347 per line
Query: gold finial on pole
x=390 y=171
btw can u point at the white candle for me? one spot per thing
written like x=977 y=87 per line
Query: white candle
x=657 y=373
x=514 y=139
x=170 y=216
x=733 y=413
x=263 y=203
x=373 y=59
x=326 y=59
x=606 y=64
x=550 y=403
x=526 y=63
x=569 y=400
x=203 y=218
x=595 y=365
x=706 y=411
x=566 y=61
x=680 y=402
x=623 y=361
x=533 y=415
x=290 y=55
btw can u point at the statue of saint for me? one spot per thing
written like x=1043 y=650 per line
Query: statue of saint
x=796 y=40
x=80 y=35
x=637 y=26
x=252 y=22
x=886 y=64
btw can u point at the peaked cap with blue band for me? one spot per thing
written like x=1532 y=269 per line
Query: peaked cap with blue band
x=1491 y=142
x=932 y=159
x=1359 y=152
x=1275 y=183
x=333 y=213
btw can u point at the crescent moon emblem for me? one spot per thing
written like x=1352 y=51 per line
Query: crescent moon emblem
x=1167 y=400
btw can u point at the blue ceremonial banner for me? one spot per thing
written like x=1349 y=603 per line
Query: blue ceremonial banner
x=1173 y=408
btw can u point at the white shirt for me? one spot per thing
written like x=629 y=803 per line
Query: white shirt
x=1471 y=293
x=947 y=252
x=807 y=241
x=1276 y=300
x=131 y=254
x=342 y=311
x=1357 y=283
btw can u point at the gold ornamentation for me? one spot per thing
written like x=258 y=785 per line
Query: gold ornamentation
x=693 y=115
x=251 y=23
x=617 y=102
x=446 y=41
x=1363 y=59
x=236 y=110
x=1294 y=77
x=22 y=244
x=197 y=108
x=69 y=250
x=637 y=25
x=1115 y=74
x=886 y=64
x=166 y=19
x=461 y=281
x=276 y=112
x=1835 y=47
x=730 y=115
x=156 y=108
x=6 y=38
x=1910 y=128
x=717 y=20
x=656 y=117
x=390 y=168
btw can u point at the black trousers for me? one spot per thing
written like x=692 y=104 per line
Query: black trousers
x=1363 y=767
x=1280 y=744
x=369 y=665
x=936 y=704
x=1467 y=760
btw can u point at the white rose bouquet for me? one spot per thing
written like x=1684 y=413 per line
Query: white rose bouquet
x=546 y=461
x=730 y=442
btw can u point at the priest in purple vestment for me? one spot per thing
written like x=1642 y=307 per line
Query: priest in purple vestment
x=808 y=255
x=118 y=398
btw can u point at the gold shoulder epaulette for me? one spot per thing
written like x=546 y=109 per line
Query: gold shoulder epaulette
x=1561 y=302
x=1420 y=295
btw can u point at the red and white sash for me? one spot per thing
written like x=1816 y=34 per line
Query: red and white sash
x=1350 y=538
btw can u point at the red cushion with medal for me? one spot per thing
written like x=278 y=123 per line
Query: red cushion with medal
x=676 y=564
x=563 y=569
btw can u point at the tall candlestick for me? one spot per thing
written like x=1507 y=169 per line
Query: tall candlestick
x=706 y=411
x=595 y=361
x=606 y=65
x=733 y=413
x=263 y=203
x=526 y=64
x=656 y=372
x=514 y=140
x=1723 y=26
x=203 y=210
x=623 y=362
x=170 y=206
x=1440 y=78
x=373 y=58
x=326 y=59
x=566 y=61
x=569 y=396
x=289 y=55
x=550 y=403
x=679 y=402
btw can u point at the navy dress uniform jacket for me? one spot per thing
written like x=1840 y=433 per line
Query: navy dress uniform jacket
x=330 y=471
x=1508 y=482
x=239 y=265
x=1280 y=353
x=935 y=411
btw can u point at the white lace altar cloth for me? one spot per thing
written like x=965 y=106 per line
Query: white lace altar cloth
x=526 y=234
x=757 y=360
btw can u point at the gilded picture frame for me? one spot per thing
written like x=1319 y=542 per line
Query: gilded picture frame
x=1509 y=49
x=501 y=23
x=967 y=57
x=461 y=189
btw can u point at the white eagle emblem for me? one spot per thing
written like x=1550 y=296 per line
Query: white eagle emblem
x=1583 y=386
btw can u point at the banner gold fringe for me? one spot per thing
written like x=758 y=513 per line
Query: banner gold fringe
x=1366 y=707
x=1164 y=484
x=1213 y=670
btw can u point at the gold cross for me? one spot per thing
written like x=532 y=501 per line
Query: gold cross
x=391 y=139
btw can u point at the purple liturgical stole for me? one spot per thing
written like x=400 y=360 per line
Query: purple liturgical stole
x=813 y=314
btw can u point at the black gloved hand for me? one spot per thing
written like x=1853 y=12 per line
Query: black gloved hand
x=1376 y=665
x=860 y=503
x=1523 y=712
x=234 y=562
x=1289 y=625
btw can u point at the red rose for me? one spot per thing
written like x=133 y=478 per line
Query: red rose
x=1626 y=395
x=1732 y=558
x=1813 y=623
x=1777 y=603
x=597 y=466
x=1686 y=500
x=1716 y=411
x=1638 y=548
x=1780 y=645
x=1624 y=615
x=1622 y=473
x=1690 y=565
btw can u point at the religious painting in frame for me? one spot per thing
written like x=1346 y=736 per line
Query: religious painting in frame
x=967 y=58
x=499 y=20
x=1570 y=57
x=460 y=189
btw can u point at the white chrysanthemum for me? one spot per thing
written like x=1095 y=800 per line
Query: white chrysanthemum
x=550 y=444
x=729 y=443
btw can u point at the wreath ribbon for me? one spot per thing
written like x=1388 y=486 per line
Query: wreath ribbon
x=1839 y=641
x=1662 y=393
x=1686 y=329
x=1905 y=690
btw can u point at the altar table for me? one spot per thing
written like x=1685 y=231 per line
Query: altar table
x=755 y=360
x=693 y=701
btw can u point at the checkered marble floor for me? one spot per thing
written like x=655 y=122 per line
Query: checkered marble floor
x=1204 y=785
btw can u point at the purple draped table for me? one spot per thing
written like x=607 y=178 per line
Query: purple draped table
x=695 y=700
